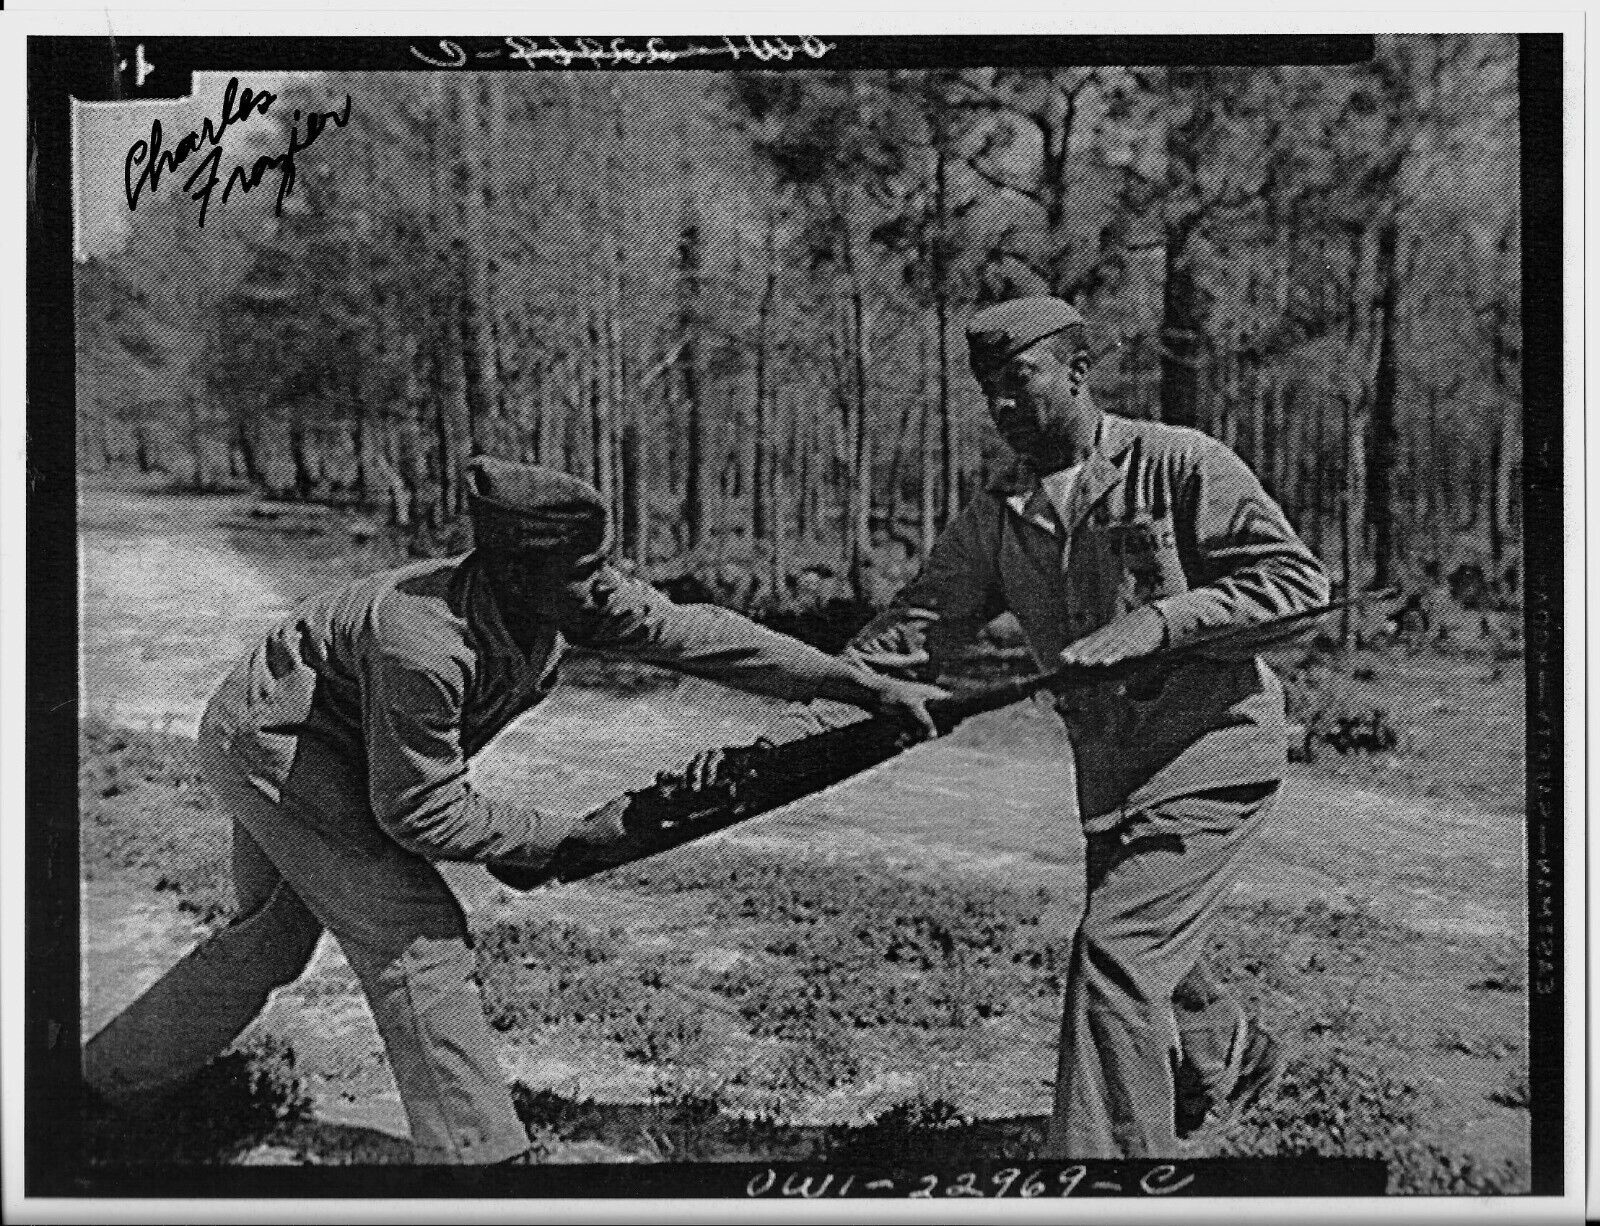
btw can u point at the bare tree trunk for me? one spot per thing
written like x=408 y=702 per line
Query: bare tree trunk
x=1225 y=394
x=1188 y=106
x=445 y=385
x=1502 y=468
x=409 y=478
x=1180 y=335
x=535 y=434
x=765 y=465
x=1502 y=443
x=858 y=525
x=304 y=479
x=472 y=244
x=1318 y=466
x=689 y=275
x=1382 y=435
x=910 y=413
x=197 y=445
x=941 y=315
x=777 y=522
x=603 y=447
x=1280 y=445
x=493 y=178
x=804 y=452
x=630 y=505
x=928 y=528
x=359 y=441
x=1437 y=482
x=1346 y=498
x=624 y=434
x=574 y=421
x=244 y=440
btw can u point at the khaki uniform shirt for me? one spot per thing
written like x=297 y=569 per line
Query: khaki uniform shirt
x=368 y=702
x=1160 y=516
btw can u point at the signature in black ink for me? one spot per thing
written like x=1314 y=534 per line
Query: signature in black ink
x=151 y=161
x=563 y=53
x=316 y=123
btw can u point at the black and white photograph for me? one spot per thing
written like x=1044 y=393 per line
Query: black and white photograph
x=799 y=618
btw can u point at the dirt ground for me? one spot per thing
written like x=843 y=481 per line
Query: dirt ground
x=1387 y=892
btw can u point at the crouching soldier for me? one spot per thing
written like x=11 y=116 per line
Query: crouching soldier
x=340 y=747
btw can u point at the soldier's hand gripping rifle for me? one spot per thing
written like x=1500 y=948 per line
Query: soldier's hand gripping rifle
x=758 y=778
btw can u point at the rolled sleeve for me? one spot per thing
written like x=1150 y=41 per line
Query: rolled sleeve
x=1251 y=564
x=418 y=777
x=623 y=616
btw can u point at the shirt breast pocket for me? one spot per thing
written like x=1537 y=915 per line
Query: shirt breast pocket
x=1145 y=564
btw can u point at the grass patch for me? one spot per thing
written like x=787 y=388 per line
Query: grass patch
x=773 y=988
x=1446 y=725
x=840 y=967
x=850 y=974
x=146 y=813
x=1338 y=1102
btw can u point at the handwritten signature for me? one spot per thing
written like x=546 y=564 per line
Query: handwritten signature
x=148 y=160
x=563 y=53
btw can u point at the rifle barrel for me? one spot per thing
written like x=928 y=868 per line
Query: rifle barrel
x=664 y=816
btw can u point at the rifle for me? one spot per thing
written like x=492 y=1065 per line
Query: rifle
x=758 y=778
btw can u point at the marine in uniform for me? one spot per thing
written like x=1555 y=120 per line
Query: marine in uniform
x=341 y=746
x=1113 y=539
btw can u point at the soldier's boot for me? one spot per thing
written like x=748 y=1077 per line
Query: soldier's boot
x=1260 y=1068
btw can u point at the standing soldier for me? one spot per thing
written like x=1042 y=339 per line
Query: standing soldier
x=340 y=747
x=1118 y=538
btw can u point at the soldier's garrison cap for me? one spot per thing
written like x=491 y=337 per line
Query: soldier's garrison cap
x=530 y=509
x=998 y=333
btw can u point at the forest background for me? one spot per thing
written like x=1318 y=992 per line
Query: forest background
x=735 y=301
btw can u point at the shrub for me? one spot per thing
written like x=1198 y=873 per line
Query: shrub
x=233 y=1103
x=659 y=1029
x=1503 y=976
x=536 y=944
x=827 y=1059
x=919 y=1132
x=1515 y=1093
x=1370 y=732
x=1331 y=1103
x=1486 y=1047
x=1428 y=1169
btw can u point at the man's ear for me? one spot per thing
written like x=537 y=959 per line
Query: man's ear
x=1078 y=367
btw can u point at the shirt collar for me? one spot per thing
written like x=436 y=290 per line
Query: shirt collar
x=1025 y=492
x=1055 y=491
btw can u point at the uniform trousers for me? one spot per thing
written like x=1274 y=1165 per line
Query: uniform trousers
x=1145 y=1017
x=299 y=870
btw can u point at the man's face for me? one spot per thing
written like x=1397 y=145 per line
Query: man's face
x=538 y=586
x=1038 y=405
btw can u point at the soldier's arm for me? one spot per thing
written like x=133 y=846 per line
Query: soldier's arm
x=418 y=779
x=1236 y=541
x=624 y=616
